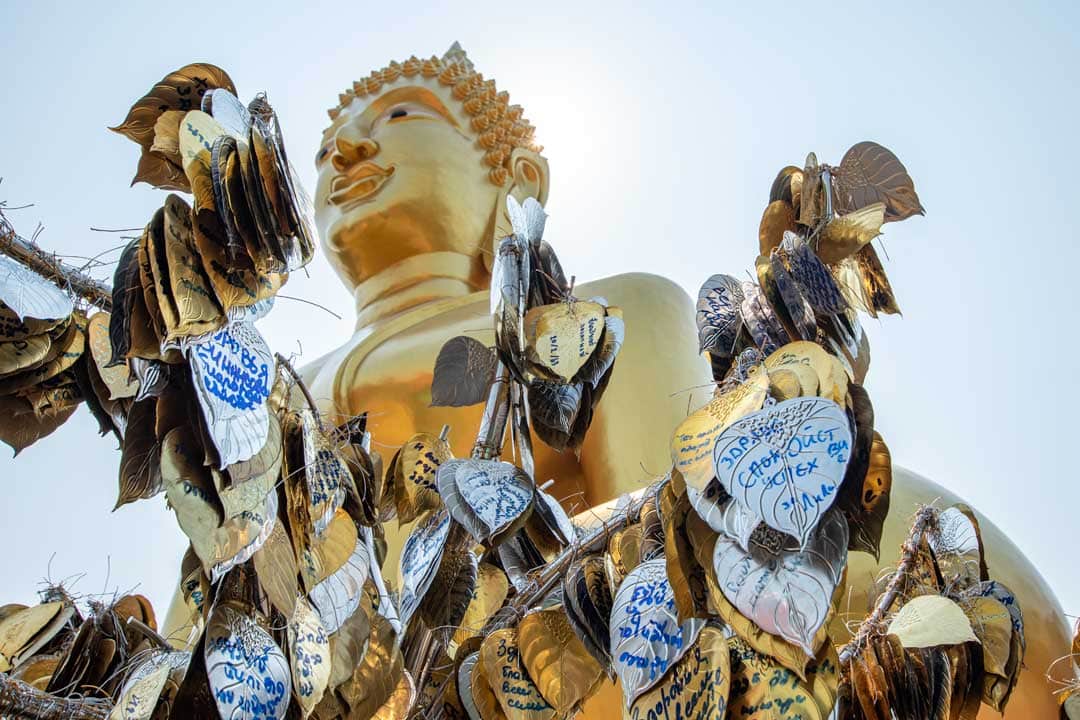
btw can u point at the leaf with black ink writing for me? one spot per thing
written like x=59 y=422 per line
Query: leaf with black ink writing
x=597 y=369
x=463 y=373
x=561 y=337
x=181 y=89
x=488 y=497
x=694 y=439
x=760 y=687
x=518 y=695
x=415 y=467
x=420 y=559
x=813 y=277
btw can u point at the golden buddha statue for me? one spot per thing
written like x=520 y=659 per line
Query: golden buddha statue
x=413 y=175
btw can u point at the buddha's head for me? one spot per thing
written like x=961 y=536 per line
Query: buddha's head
x=419 y=158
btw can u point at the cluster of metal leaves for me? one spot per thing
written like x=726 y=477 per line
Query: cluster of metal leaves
x=560 y=350
x=955 y=639
x=283 y=580
x=816 y=266
x=44 y=373
x=112 y=654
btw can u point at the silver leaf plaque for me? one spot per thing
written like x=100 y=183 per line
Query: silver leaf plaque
x=29 y=295
x=785 y=463
x=248 y=673
x=789 y=594
x=646 y=637
x=719 y=315
x=420 y=560
x=233 y=370
x=337 y=597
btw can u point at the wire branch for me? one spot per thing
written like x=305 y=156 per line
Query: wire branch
x=21 y=701
x=925 y=520
x=284 y=363
x=30 y=255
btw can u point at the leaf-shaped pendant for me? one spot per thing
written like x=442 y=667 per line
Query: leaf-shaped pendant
x=337 y=597
x=765 y=328
x=696 y=688
x=785 y=463
x=139 y=695
x=487 y=497
x=233 y=372
x=309 y=655
x=719 y=315
x=813 y=277
x=556 y=659
x=788 y=595
x=420 y=560
x=415 y=468
x=248 y=672
x=518 y=696
x=870 y=173
x=325 y=473
x=29 y=295
x=562 y=337
x=463 y=372
x=646 y=637
x=695 y=437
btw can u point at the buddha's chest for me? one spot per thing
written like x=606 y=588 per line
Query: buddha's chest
x=389 y=376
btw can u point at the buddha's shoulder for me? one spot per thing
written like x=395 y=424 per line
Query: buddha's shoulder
x=636 y=288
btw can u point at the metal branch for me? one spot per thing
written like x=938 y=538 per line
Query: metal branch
x=925 y=520
x=28 y=254
x=303 y=389
x=21 y=701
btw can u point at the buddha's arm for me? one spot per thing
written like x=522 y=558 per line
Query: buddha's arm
x=657 y=377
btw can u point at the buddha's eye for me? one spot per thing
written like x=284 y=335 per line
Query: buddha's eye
x=399 y=113
x=321 y=155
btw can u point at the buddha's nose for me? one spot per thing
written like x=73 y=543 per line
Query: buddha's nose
x=352 y=147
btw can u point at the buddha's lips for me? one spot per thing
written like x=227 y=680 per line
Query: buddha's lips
x=358 y=182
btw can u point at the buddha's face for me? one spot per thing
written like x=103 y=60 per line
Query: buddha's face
x=401 y=175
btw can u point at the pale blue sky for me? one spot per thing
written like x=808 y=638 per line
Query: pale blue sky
x=664 y=124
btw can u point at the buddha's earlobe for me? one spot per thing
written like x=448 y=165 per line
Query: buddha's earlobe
x=528 y=177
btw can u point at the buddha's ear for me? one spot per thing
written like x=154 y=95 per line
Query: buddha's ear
x=528 y=177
